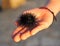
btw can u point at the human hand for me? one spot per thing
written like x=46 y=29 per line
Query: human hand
x=44 y=19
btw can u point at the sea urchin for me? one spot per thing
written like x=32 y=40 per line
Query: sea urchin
x=27 y=20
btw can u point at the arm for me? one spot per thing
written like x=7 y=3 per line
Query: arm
x=45 y=17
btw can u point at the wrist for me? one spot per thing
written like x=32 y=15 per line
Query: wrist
x=54 y=6
x=54 y=18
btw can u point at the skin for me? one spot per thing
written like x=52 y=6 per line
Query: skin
x=42 y=14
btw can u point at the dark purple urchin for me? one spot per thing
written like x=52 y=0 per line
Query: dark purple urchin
x=27 y=20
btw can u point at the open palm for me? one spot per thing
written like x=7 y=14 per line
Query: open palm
x=44 y=18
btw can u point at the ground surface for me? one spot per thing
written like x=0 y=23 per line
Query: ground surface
x=48 y=37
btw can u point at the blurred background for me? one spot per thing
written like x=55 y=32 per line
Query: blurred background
x=47 y=37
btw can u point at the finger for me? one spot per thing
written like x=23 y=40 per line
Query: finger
x=17 y=30
x=25 y=35
x=16 y=36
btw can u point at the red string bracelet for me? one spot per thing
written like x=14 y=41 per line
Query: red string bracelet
x=54 y=18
